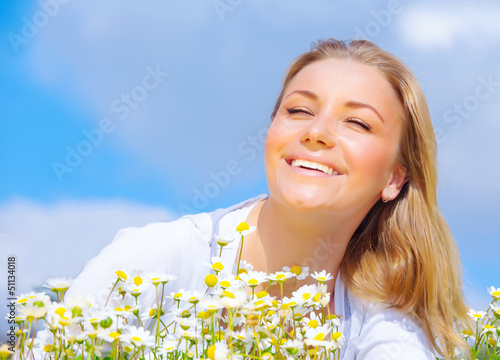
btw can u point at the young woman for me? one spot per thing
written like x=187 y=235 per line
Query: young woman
x=350 y=160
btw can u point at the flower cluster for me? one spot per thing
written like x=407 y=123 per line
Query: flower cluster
x=484 y=338
x=234 y=318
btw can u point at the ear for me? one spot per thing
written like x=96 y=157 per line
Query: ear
x=398 y=178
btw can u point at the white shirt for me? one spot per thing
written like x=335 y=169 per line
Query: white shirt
x=182 y=247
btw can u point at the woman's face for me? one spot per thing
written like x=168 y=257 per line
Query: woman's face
x=345 y=116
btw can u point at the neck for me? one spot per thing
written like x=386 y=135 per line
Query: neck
x=289 y=237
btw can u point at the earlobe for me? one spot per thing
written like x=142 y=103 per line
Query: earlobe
x=398 y=179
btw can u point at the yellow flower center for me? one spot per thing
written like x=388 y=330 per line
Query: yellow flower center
x=114 y=334
x=152 y=312
x=319 y=336
x=211 y=352
x=228 y=294
x=121 y=275
x=177 y=296
x=48 y=348
x=128 y=308
x=317 y=297
x=280 y=278
x=321 y=278
x=261 y=294
x=225 y=283
x=297 y=270
x=306 y=296
x=242 y=227
x=138 y=280
x=313 y=323
x=467 y=332
x=218 y=266
x=477 y=315
x=336 y=335
x=135 y=338
x=22 y=301
x=60 y=311
x=64 y=321
x=211 y=280
x=253 y=282
x=496 y=294
x=118 y=309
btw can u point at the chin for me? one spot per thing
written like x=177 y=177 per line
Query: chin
x=303 y=197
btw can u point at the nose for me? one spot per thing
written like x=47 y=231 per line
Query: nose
x=319 y=132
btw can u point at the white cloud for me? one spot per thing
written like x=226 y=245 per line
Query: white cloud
x=430 y=25
x=57 y=240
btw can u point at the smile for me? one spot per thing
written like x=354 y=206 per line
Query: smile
x=311 y=168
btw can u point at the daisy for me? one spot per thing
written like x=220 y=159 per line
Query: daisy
x=79 y=305
x=244 y=267
x=23 y=298
x=230 y=283
x=317 y=336
x=322 y=276
x=58 y=284
x=35 y=307
x=244 y=229
x=151 y=312
x=138 y=336
x=301 y=272
x=186 y=323
x=168 y=346
x=218 y=265
x=176 y=295
x=496 y=310
x=305 y=294
x=476 y=315
x=233 y=299
x=225 y=240
x=160 y=278
x=109 y=335
x=192 y=296
x=253 y=278
x=312 y=321
x=294 y=347
x=281 y=276
x=337 y=340
x=495 y=293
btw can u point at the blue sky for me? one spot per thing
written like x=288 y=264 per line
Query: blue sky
x=185 y=90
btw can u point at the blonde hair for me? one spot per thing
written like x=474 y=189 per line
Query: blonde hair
x=403 y=253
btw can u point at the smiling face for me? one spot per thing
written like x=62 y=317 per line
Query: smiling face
x=345 y=117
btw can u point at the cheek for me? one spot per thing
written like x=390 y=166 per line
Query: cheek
x=374 y=159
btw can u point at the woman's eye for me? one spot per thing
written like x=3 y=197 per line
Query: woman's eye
x=297 y=110
x=360 y=123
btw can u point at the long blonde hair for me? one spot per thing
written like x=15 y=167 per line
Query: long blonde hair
x=403 y=253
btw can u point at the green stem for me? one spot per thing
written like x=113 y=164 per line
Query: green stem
x=239 y=258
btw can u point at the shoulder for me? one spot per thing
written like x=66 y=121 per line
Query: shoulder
x=380 y=331
x=156 y=247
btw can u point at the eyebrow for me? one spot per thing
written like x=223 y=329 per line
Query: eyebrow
x=349 y=104
x=357 y=104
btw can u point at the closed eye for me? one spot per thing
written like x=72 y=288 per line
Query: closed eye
x=297 y=110
x=360 y=123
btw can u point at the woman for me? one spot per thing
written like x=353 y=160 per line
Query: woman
x=350 y=161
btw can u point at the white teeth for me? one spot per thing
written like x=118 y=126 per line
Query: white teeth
x=314 y=165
